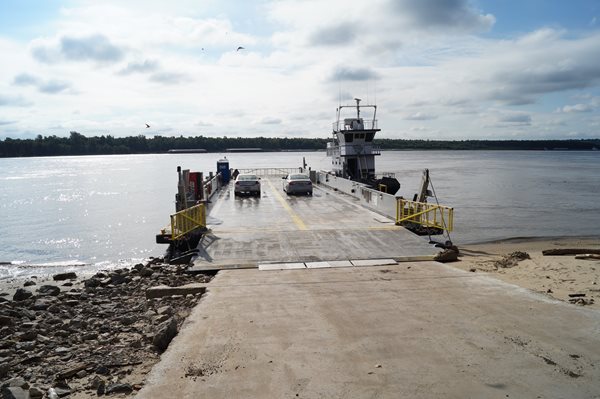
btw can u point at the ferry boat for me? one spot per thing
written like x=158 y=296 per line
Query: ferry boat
x=352 y=177
x=352 y=150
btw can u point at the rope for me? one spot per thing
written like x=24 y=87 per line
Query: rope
x=446 y=232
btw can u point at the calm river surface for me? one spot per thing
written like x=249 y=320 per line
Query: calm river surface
x=104 y=211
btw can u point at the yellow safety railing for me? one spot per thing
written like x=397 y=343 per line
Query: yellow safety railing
x=187 y=220
x=425 y=214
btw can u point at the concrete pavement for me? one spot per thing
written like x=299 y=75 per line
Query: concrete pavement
x=413 y=330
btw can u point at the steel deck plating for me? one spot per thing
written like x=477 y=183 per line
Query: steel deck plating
x=276 y=228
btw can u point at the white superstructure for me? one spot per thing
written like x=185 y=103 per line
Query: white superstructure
x=352 y=151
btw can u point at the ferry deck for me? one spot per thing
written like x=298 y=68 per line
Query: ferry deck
x=277 y=231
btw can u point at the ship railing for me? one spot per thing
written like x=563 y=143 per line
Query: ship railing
x=357 y=149
x=425 y=214
x=271 y=171
x=211 y=186
x=188 y=220
x=341 y=125
x=333 y=149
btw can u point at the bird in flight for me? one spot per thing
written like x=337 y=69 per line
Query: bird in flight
x=239 y=48
x=147 y=126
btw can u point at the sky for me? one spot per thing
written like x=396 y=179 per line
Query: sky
x=436 y=69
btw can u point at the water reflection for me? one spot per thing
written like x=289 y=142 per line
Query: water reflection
x=109 y=208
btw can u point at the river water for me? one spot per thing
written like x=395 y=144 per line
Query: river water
x=69 y=213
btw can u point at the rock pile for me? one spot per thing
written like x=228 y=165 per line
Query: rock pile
x=91 y=337
x=511 y=260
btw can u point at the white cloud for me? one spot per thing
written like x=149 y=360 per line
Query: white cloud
x=96 y=48
x=169 y=78
x=175 y=63
x=342 y=73
x=576 y=108
x=51 y=86
x=344 y=33
x=420 y=116
x=519 y=119
x=498 y=118
x=154 y=26
x=516 y=72
x=13 y=101
x=268 y=120
x=446 y=15
x=145 y=66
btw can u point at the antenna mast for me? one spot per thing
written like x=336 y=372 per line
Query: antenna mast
x=339 y=92
x=358 y=100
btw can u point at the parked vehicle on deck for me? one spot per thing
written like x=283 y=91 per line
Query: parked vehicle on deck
x=297 y=184
x=247 y=184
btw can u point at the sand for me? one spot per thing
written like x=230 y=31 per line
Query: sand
x=554 y=276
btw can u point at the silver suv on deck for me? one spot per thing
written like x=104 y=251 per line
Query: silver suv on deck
x=247 y=184
x=297 y=184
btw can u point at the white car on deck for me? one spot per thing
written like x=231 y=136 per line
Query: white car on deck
x=297 y=183
x=246 y=183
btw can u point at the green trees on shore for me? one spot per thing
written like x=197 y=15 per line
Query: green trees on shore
x=78 y=144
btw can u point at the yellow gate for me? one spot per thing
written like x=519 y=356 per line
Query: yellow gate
x=187 y=220
x=425 y=214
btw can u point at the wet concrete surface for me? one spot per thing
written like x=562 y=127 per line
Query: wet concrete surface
x=275 y=227
x=412 y=330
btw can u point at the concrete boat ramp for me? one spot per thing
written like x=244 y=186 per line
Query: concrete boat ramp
x=406 y=330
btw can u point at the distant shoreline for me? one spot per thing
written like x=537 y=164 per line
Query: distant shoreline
x=195 y=152
x=78 y=144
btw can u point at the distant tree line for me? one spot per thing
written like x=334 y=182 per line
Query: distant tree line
x=78 y=144
x=399 y=144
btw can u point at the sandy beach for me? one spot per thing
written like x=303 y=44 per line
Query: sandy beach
x=554 y=276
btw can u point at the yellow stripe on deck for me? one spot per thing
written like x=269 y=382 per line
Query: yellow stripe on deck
x=288 y=208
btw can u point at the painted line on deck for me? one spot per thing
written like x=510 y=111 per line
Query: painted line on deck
x=288 y=208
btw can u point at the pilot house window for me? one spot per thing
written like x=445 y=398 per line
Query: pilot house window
x=349 y=137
